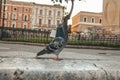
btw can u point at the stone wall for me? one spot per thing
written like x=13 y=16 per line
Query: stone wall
x=111 y=15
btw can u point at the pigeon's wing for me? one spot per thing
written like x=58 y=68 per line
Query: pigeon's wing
x=49 y=49
x=53 y=47
x=42 y=52
x=56 y=44
x=59 y=44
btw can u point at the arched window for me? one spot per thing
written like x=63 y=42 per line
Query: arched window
x=100 y=21
x=26 y=18
x=40 y=22
x=14 y=17
x=49 y=22
x=13 y=25
x=58 y=14
x=93 y=20
x=84 y=19
x=41 y=12
x=50 y=12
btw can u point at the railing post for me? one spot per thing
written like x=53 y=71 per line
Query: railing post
x=3 y=20
x=13 y=35
x=0 y=19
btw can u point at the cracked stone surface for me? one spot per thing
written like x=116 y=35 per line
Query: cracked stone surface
x=83 y=67
x=75 y=65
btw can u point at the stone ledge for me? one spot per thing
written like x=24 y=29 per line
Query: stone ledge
x=67 y=46
x=49 y=69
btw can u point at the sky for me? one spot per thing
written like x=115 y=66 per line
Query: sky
x=84 y=5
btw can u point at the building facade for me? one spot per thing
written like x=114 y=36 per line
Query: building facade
x=31 y=15
x=17 y=14
x=109 y=19
x=111 y=16
x=83 y=21
x=46 y=16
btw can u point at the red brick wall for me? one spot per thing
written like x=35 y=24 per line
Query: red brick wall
x=19 y=20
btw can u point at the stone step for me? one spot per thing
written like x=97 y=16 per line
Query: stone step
x=18 y=68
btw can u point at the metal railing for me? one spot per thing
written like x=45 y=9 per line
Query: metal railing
x=38 y=36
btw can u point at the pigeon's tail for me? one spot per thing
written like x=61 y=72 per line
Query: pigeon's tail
x=42 y=52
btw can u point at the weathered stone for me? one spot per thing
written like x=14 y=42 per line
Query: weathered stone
x=49 y=69
x=18 y=62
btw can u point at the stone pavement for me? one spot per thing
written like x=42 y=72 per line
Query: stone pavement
x=22 y=65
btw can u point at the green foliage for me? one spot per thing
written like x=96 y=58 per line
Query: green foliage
x=70 y=42
x=62 y=0
x=33 y=40
x=93 y=43
x=66 y=1
x=59 y=1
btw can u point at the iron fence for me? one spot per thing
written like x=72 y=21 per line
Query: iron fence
x=38 y=36
x=20 y=34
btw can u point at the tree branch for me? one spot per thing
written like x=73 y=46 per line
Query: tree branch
x=72 y=5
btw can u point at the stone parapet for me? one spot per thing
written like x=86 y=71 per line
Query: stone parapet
x=66 y=69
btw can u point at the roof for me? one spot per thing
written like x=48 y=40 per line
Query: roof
x=33 y=3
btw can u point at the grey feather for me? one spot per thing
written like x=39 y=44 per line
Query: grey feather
x=57 y=45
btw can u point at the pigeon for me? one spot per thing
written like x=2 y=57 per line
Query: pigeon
x=58 y=43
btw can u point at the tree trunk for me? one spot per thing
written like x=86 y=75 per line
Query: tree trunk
x=66 y=18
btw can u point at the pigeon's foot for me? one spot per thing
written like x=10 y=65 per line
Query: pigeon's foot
x=57 y=59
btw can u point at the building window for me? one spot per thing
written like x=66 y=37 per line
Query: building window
x=15 y=9
x=100 y=21
x=50 y=12
x=26 y=10
x=25 y=26
x=84 y=19
x=49 y=22
x=58 y=22
x=13 y=25
x=25 y=18
x=58 y=14
x=93 y=20
x=14 y=17
x=41 y=12
x=40 y=22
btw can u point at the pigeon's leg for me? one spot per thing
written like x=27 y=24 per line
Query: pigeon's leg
x=57 y=58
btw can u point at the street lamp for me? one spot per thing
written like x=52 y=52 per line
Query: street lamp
x=3 y=19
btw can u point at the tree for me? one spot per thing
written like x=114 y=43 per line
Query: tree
x=72 y=2
x=67 y=17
